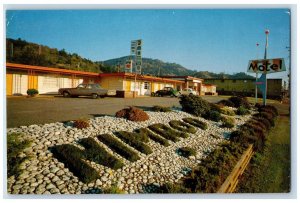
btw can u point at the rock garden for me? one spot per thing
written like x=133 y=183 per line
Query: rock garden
x=163 y=150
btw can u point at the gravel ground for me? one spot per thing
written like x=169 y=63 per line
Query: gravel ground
x=44 y=174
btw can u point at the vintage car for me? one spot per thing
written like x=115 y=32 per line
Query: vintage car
x=93 y=90
x=167 y=91
x=188 y=91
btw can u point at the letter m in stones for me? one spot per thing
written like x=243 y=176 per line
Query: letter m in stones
x=74 y=158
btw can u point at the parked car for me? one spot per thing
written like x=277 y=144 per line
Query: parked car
x=188 y=91
x=93 y=90
x=167 y=91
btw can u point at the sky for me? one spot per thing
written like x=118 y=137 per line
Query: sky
x=216 y=40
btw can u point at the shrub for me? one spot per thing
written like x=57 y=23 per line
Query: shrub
x=266 y=115
x=154 y=137
x=113 y=190
x=181 y=126
x=263 y=121
x=15 y=146
x=257 y=123
x=242 y=111
x=194 y=105
x=81 y=123
x=73 y=157
x=118 y=147
x=186 y=151
x=132 y=114
x=225 y=102
x=196 y=123
x=32 y=92
x=240 y=101
x=227 y=111
x=228 y=122
x=161 y=109
x=132 y=140
x=98 y=154
x=212 y=115
x=166 y=132
x=215 y=107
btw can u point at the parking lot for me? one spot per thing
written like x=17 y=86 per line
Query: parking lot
x=48 y=109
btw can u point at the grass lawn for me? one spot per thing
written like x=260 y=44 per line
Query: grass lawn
x=269 y=171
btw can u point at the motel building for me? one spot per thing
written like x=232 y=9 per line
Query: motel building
x=20 y=78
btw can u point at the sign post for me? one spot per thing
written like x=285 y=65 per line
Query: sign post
x=136 y=52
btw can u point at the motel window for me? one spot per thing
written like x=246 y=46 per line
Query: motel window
x=146 y=85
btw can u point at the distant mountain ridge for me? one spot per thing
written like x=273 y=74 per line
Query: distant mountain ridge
x=154 y=67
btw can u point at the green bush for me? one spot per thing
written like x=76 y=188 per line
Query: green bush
x=242 y=111
x=154 y=137
x=183 y=127
x=196 y=123
x=167 y=132
x=73 y=157
x=225 y=102
x=268 y=108
x=132 y=140
x=194 y=104
x=118 y=147
x=32 y=92
x=266 y=115
x=212 y=115
x=186 y=151
x=15 y=146
x=215 y=107
x=98 y=154
x=227 y=111
x=227 y=122
x=81 y=124
x=113 y=190
x=161 y=109
x=240 y=101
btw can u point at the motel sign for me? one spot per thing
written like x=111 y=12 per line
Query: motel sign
x=266 y=66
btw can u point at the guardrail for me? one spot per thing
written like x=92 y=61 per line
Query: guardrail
x=232 y=180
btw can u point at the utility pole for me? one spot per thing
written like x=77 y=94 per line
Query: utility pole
x=289 y=73
x=265 y=73
x=256 y=74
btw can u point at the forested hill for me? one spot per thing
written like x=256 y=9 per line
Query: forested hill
x=20 y=51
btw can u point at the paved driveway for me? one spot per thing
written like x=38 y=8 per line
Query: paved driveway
x=48 y=109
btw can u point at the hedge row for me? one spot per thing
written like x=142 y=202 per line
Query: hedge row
x=255 y=130
x=210 y=174
x=154 y=137
x=73 y=157
x=196 y=123
x=133 y=140
x=118 y=147
x=98 y=154
x=181 y=126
